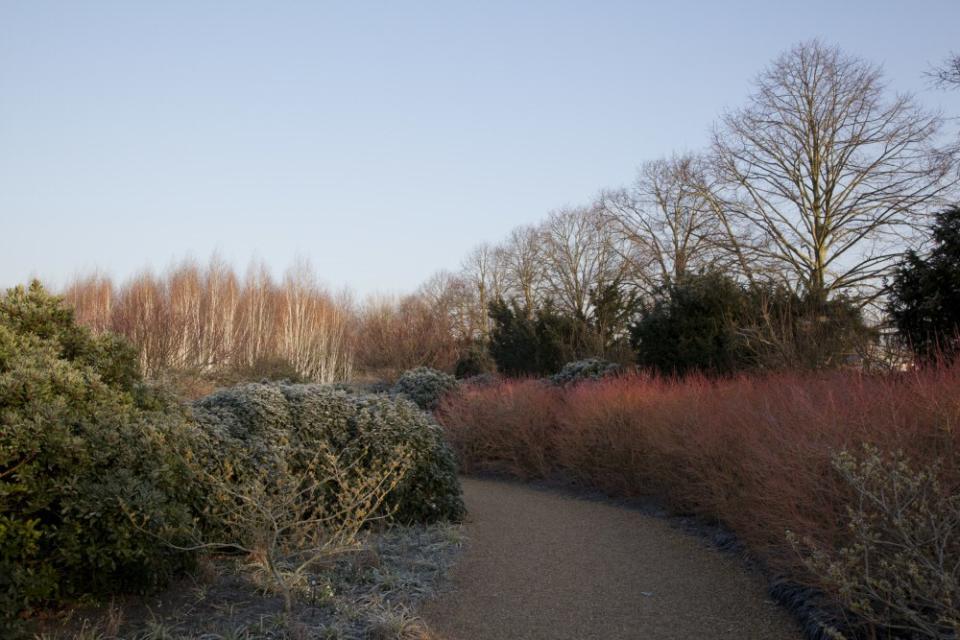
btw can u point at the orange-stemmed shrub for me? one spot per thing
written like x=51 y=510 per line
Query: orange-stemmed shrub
x=757 y=454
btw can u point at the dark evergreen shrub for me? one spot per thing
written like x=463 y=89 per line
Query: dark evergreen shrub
x=713 y=324
x=533 y=342
x=475 y=361
x=925 y=293
x=692 y=326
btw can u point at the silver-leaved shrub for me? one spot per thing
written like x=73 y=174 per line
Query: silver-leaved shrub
x=587 y=369
x=425 y=386
x=252 y=427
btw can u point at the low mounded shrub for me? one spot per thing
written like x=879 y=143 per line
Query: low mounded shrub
x=84 y=445
x=425 y=386
x=255 y=426
x=587 y=369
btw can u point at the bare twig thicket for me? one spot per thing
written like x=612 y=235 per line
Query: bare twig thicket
x=289 y=523
x=394 y=334
x=759 y=454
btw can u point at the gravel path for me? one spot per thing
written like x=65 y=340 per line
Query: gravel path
x=542 y=565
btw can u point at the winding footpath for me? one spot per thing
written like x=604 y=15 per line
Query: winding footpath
x=539 y=564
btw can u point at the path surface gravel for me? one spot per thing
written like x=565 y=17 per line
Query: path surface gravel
x=544 y=565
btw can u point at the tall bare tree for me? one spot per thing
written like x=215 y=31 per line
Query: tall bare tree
x=580 y=256
x=947 y=75
x=832 y=171
x=91 y=297
x=668 y=220
x=258 y=313
x=313 y=328
x=483 y=269
x=141 y=313
x=522 y=260
x=454 y=301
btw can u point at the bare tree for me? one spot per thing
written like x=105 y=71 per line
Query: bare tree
x=483 y=269
x=668 y=221
x=522 y=259
x=580 y=256
x=257 y=312
x=140 y=313
x=454 y=301
x=395 y=334
x=947 y=75
x=219 y=315
x=831 y=172
x=313 y=328
x=91 y=297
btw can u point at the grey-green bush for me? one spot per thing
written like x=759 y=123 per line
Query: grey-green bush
x=588 y=369
x=253 y=426
x=900 y=569
x=425 y=386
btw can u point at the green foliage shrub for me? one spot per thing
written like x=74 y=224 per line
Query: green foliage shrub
x=925 y=293
x=475 y=361
x=587 y=369
x=539 y=341
x=425 y=386
x=102 y=476
x=255 y=426
x=526 y=342
x=711 y=323
x=692 y=327
x=84 y=446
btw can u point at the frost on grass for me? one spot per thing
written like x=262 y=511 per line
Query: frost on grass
x=373 y=593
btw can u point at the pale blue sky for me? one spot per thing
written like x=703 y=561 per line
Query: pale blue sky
x=379 y=140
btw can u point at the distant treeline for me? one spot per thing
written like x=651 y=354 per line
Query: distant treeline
x=210 y=319
x=802 y=207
